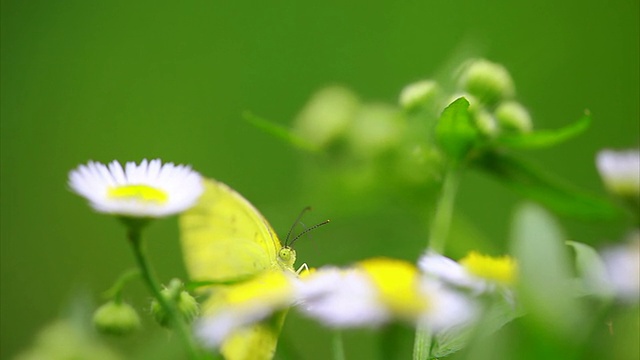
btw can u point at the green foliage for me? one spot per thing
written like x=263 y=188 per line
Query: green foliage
x=545 y=138
x=279 y=132
x=592 y=274
x=534 y=183
x=455 y=131
x=545 y=287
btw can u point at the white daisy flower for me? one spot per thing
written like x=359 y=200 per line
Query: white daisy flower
x=620 y=171
x=477 y=272
x=376 y=291
x=149 y=189
x=246 y=303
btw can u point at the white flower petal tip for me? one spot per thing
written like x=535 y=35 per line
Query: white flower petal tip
x=622 y=262
x=147 y=190
x=620 y=171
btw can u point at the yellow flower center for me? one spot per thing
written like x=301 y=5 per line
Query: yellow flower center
x=499 y=269
x=397 y=283
x=142 y=193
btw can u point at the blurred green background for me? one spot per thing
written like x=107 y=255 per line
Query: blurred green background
x=130 y=80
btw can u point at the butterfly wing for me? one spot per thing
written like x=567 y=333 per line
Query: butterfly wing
x=225 y=238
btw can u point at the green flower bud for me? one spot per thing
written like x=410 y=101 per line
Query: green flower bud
x=513 y=117
x=486 y=123
x=376 y=128
x=116 y=318
x=185 y=304
x=420 y=164
x=419 y=93
x=326 y=116
x=488 y=81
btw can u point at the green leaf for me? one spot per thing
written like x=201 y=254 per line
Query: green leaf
x=591 y=270
x=535 y=184
x=279 y=131
x=545 y=138
x=545 y=284
x=455 y=132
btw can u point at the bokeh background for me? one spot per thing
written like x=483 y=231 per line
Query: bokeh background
x=130 y=80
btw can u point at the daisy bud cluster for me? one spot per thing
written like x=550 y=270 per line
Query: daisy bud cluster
x=373 y=145
x=490 y=91
x=186 y=305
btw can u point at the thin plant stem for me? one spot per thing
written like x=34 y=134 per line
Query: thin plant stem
x=175 y=319
x=338 y=346
x=422 y=344
x=441 y=223
x=438 y=233
x=115 y=292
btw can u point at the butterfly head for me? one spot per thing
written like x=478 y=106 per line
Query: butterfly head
x=286 y=254
x=286 y=257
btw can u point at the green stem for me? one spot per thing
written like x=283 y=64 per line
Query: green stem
x=422 y=343
x=175 y=319
x=338 y=346
x=438 y=234
x=115 y=292
x=444 y=211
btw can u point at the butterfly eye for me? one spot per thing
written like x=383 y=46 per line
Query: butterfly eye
x=287 y=255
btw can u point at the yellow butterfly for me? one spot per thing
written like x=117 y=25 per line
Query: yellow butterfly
x=224 y=237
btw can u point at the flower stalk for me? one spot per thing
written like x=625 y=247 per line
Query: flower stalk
x=115 y=292
x=338 y=346
x=438 y=234
x=439 y=229
x=135 y=238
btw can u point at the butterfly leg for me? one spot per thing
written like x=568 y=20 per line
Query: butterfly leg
x=302 y=268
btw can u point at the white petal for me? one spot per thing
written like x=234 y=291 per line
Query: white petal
x=341 y=298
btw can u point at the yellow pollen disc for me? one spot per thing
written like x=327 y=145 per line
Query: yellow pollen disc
x=499 y=269
x=139 y=192
x=397 y=283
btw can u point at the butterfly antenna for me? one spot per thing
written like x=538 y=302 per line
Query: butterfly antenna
x=307 y=230
x=286 y=240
